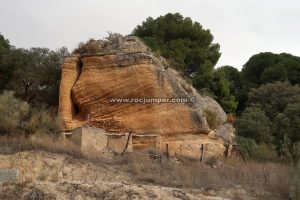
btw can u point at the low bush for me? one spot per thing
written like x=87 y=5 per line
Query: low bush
x=12 y=112
x=42 y=122
x=247 y=146
x=253 y=123
x=17 y=118
x=211 y=119
x=264 y=151
x=91 y=46
x=96 y=46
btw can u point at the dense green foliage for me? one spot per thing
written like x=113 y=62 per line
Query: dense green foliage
x=234 y=77
x=275 y=118
x=274 y=97
x=181 y=40
x=4 y=43
x=190 y=49
x=34 y=74
x=223 y=89
x=265 y=68
x=247 y=145
x=286 y=131
x=269 y=67
x=253 y=123
x=5 y=71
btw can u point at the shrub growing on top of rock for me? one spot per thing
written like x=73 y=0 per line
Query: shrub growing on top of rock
x=96 y=46
x=91 y=46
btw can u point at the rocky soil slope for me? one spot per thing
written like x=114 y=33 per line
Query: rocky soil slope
x=55 y=176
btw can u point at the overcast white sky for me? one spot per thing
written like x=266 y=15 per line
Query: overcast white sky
x=241 y=27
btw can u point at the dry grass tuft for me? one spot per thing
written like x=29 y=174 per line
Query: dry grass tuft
x=211 y=118
x=231 y=118
x=10 y=145
x=91 y=46
x=272 y=177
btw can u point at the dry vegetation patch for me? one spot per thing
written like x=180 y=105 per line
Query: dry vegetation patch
x=152 y=168
x=272 y=177
x=10 y=145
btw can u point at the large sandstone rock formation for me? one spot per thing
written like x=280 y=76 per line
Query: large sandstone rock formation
x=124 y=67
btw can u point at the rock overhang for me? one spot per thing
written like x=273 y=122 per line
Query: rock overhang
x=126 y=68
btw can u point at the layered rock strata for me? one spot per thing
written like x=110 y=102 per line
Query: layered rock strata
x=124 y=69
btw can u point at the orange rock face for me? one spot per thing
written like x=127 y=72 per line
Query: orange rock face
x=127 y=69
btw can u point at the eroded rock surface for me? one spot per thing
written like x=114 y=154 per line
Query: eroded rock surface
x=126 y=68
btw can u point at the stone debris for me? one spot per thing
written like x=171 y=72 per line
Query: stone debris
x=9 y=175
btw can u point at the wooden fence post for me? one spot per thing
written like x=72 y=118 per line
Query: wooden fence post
x=202 y=153
x=127 y=142
x=167 y=148
x=226 y=151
